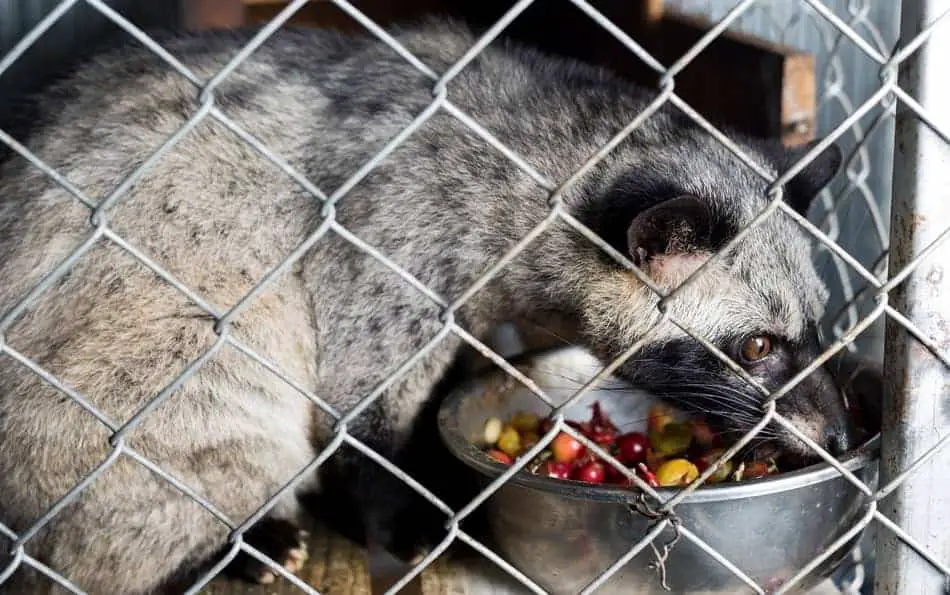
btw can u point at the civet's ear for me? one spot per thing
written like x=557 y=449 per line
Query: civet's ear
x=804 y=187
x=672 y=233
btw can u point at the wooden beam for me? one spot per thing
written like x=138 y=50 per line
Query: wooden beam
x=213 y=14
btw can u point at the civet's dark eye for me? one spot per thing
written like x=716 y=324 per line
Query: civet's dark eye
x=755 y=349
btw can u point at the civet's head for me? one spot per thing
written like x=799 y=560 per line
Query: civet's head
x=669 y=209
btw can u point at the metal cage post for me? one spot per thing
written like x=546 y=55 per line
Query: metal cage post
x=917 y=407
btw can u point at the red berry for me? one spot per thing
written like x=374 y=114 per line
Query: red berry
x=599 y=420
x=632 y=448
x=703 y=434
x=581 y=426
x=648 y=476
x=556 y=470
x=546 y=424
x=755 y=470
x=603 y=436
x=501 y=457
x=566 y=449
x=590 y=473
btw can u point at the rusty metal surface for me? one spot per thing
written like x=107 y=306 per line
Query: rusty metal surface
x=917 y=410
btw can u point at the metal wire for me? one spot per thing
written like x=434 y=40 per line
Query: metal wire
x=840 y=31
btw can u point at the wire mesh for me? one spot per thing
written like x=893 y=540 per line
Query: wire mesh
x=839 y=31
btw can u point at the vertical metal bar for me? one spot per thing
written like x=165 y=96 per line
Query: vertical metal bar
x=916 y=410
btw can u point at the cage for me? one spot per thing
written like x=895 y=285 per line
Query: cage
x=863 y=73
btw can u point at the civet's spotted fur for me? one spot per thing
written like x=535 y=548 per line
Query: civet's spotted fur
x=445 y=206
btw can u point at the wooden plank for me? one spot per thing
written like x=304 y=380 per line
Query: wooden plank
x=327 y=15
x=213 y=14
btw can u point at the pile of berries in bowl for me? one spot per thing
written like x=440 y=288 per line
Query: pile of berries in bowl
x=670 y=453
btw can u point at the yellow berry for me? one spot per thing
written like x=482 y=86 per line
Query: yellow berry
x=676 y=472
x=509 y=442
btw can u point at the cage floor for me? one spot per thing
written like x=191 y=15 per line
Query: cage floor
x=337 y=566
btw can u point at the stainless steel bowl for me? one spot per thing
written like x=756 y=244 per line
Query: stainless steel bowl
x=563 y=535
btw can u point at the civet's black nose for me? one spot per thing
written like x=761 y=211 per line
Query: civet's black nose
x=839 y=439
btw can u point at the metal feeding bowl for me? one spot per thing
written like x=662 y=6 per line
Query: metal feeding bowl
x=563 y=534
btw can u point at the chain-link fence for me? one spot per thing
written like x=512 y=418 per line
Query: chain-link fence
x=913 y=552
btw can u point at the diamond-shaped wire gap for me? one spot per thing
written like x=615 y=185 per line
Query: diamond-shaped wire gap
x=829 y=551
x=422 y=491
x=912 y=543
x=99 y=221
x=329 y=213
x=847 y=31
x=554 y=199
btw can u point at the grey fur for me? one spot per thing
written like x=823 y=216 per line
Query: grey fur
x=218 y=216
